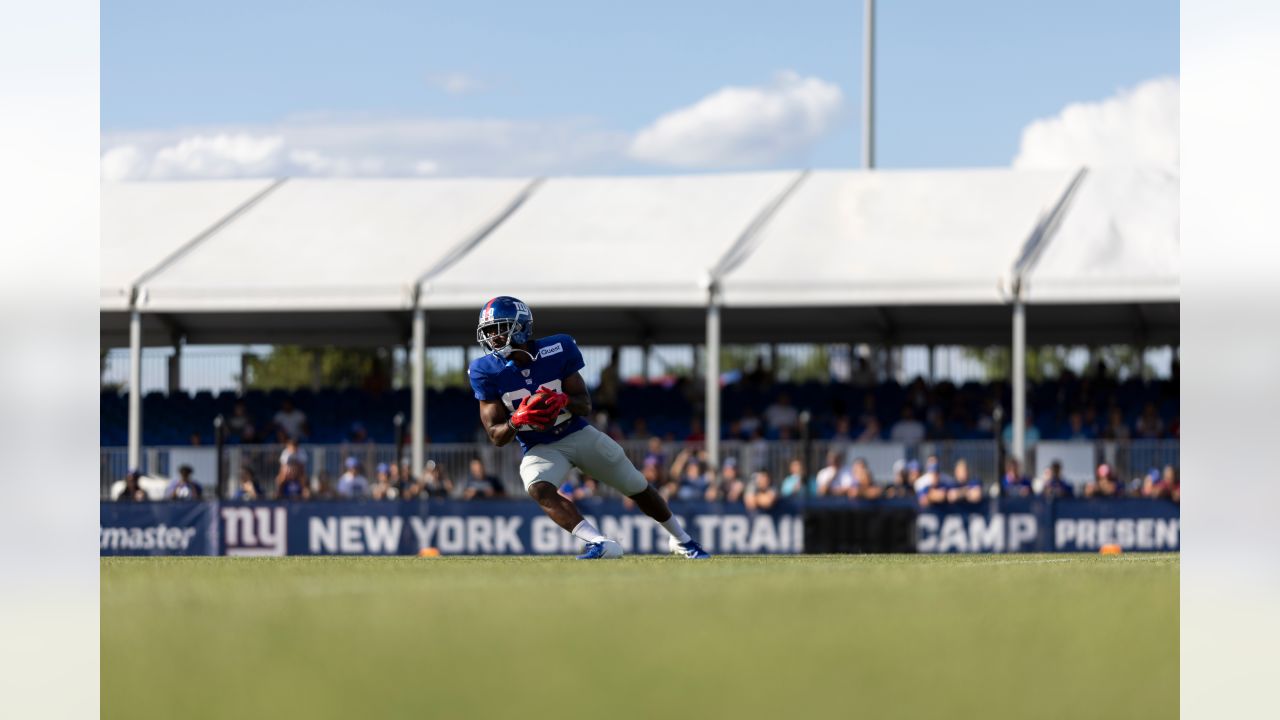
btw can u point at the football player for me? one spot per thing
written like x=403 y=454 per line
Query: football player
x=530 y=391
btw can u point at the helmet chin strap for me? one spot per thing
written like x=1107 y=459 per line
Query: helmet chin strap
x=512 y=363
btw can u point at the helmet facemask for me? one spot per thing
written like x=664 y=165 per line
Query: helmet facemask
x=502 y=330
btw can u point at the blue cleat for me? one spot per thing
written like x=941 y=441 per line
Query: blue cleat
x=691 y=550
x=605 y=549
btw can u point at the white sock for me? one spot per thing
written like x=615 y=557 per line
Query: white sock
x=586 y=532
x=672 y=525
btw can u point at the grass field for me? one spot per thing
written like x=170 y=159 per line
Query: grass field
x=1023 y=636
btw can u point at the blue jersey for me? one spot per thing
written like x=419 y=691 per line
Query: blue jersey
x=556 y=357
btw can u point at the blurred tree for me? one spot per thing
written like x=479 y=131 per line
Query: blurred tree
x=289 y=367
x=813 y=364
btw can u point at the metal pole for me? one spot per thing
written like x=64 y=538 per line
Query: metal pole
x=175 y=369
x=1019 y=416
x=219 y=425
x=868 y=85
x=418 y=409
x=135 y=390
x=712 y=429
x=398 y=421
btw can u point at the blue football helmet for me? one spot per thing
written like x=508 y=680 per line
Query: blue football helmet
x=504 y=321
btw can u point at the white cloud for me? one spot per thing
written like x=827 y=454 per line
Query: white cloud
x=741 y=126
x=315 y=146
x=455 y=83
x=1135 y=127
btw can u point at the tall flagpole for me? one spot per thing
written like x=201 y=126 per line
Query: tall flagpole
x=869 y=85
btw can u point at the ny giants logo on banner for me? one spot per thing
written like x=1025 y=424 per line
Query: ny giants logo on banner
x=254 y=531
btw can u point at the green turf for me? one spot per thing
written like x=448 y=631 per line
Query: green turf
x=1023 y=636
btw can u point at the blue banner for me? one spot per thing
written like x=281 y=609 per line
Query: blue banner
x=486 y=528
x=158 y=528
x=1038 y=525
x=508 y=527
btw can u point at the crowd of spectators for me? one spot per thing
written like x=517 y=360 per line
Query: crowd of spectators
x=1086 y=408
x=687 y=476
x=1091 y=406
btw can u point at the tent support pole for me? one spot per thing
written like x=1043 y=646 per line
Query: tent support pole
x=712 y=369
x=418 y=424
x=1019 y=417
x=135 y=390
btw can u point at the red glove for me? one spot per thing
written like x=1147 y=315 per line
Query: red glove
x=540 y=410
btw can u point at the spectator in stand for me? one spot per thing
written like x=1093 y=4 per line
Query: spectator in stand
x=434 y=483
x=932 y=490
x=864 y=486
x=908 y=429
x=654 y=475
x=480 y=484
x=937 y=426
x=833 y=479
x=291 y=482
x=1076 y=428
x=869 y=420
x=605 y=397
x=1013 y=483
x=382 y=489
x=843 y=430
x=359 y=434
x=398 y=479
x=322 y=487
x=695 y=431
x=932 y=476
x=1116 y=427
x=132 y=491
x=1150 y=426
x=247 y=487
x=654 y=453
x=793 y=484
x=1031 y=434
x=293 y=453
x=730 y=486
x=748 y=423
x=913 y=473
x=965 y=487
x=901 y=486
x=588 y=488
x=353 y=485
x=290 y=422
x=1052 y=484
x=240 y=424
x=1104 y=485
x=579 y=486
x=782 y=415
x=760 y=495
x=1161 y=485
x=184 y=488
x=1172 y=483
x=688 y=478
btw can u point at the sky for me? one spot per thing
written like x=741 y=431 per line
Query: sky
x=397 y=88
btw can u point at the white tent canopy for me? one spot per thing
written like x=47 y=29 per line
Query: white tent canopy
x=640 y=242
x=1117 y=242
x=143 y=224
x=331 y=245
x=880 y=256
x=894 y=238
x=891 y=257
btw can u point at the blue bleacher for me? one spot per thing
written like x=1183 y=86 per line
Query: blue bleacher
x=171 y=419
